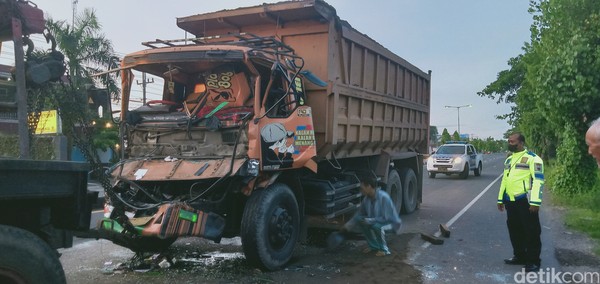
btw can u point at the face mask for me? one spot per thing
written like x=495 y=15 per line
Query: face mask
x=512 y=148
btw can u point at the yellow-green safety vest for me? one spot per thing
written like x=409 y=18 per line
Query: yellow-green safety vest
x=523 y=173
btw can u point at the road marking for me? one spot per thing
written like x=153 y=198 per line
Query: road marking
x=449 y=223
x=459 y=214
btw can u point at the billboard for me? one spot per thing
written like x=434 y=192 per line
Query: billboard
x=49 y=123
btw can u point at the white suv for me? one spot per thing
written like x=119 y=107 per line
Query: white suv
x=455 y=158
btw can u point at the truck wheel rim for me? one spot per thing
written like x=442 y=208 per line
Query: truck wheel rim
x=280 y=228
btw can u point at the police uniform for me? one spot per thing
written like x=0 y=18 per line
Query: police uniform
x=523 y=174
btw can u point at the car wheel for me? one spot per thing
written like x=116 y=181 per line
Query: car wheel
x=478 y=169
x=431 y=175
x=465 y=173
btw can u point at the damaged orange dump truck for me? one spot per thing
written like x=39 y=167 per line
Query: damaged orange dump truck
x=267 y=115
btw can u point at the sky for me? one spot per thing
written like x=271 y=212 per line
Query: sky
x=465 y=43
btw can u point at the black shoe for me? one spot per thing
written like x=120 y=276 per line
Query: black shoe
x=514 y=261
x=532 y=268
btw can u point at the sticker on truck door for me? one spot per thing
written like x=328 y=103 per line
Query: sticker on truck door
x=277 y=146
x=281 y=146
x=288 y=142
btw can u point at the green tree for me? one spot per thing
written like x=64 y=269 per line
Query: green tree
x=445 y=136
x=455 y=136
x=478 y=144
x=506 y=87
x=555 y=87
x=86 y=49
x=86 y=52
x=565 y=84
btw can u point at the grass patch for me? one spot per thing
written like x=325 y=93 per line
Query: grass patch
x=585 y=220
x=583 y=212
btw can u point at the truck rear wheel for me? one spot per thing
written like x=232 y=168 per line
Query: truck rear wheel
x=410 y=188
x=394 y=189
x=477 y=171
x=25 y=258
x=270 y=226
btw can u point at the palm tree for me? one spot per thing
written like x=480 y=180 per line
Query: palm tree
x=87 y=51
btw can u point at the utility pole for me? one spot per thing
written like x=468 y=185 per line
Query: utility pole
x=458 y=110
x=144 y=83
x=23 y=129
x=74 y=6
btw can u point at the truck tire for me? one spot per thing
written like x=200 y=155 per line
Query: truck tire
x=270 y=227
x=478 y=170
x=410 y=192
x=394 y=189
x=431 y=175
x=465 y=173
x=25 y=258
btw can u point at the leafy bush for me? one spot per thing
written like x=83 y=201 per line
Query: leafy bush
x=574 y=172
x=583 y=207
x=42 y=147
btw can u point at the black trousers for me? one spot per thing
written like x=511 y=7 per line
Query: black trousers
x=524 y=230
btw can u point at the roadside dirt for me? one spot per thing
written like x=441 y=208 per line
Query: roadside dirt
x=193 y=260
x=573 y=249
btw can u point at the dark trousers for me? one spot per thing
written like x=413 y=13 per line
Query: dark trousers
x=524 y=230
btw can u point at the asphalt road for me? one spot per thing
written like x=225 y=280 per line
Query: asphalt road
x=479 y=238
x=474 y=252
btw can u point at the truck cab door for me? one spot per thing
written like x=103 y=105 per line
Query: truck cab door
x=287 y=138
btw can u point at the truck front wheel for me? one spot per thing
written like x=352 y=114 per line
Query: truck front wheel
x=25 y=258
x=431 y=175
x=270 y=226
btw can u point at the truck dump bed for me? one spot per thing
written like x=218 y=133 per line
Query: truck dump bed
x=374 y=101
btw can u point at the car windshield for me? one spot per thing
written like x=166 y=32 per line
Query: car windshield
x=458 y=149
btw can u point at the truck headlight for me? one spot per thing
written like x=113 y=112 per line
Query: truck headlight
x=251 y=168
x=457 y=160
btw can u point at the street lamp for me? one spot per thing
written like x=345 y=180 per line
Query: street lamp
x=458 y=110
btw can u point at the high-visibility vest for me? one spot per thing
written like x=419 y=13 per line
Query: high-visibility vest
x=523 y=173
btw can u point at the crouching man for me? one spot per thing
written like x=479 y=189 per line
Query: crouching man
x=376 y=215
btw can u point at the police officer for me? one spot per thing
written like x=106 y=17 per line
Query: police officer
x=523 y=174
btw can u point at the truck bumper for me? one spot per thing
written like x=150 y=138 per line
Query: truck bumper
x=172 y=220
